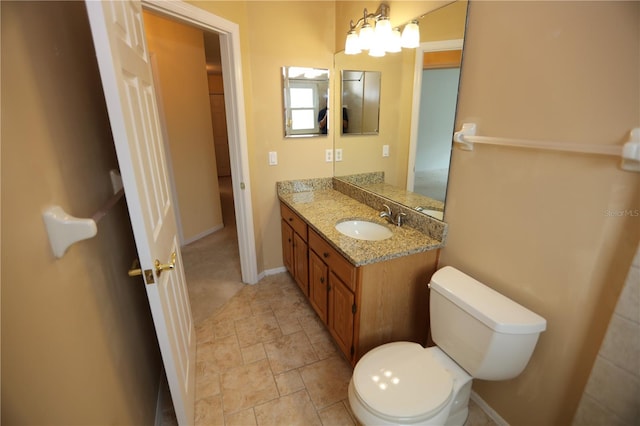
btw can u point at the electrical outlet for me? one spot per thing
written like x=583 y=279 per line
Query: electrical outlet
x=328 y=155
x=339 y=154
x=273 y=158
x=385 y=150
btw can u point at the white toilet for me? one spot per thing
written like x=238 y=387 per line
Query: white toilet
x=479 y=333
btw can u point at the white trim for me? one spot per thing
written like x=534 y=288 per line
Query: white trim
x=428 y=46
x=493 y=414
x=273 y=271
x=236 y=124
x=203 y=234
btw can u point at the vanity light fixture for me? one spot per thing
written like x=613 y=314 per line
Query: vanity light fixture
x=378 y=36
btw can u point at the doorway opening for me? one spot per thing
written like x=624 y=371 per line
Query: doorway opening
x=229 y=41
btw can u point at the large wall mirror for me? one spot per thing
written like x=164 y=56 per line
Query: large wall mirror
x=305 y=101
x=418 y=97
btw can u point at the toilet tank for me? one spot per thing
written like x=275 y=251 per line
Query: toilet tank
x=489 y=335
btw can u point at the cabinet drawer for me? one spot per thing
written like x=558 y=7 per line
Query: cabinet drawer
x=294 y=221
x=336 y=262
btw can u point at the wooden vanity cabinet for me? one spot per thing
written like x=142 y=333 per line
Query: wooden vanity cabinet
x=295 y=250
x=365 y=306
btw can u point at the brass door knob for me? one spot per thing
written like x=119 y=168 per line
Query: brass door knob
x=165 y=266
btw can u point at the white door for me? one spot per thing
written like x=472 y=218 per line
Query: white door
x=124 y=64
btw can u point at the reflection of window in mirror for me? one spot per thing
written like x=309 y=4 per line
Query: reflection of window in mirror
x=306 y=94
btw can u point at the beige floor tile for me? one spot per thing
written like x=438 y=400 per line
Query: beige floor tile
x=248 y=385
x=207 y=386
x=323 y=344
x=327 y=381
x=219 y=355
x=223 y=329
x=241 y=418
x=257 y=328
x=336 y=415
x=291 y=410
x=289 y=382
x=289 y=352
x=253 y=353
x=209 y=412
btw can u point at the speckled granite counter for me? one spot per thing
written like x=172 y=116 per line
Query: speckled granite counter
x=323 y=208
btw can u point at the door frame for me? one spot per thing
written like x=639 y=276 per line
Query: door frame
x=428 y=46
x=230 y=53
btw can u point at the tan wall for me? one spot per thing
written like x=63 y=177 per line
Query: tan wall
x=78 y=344
x=184 y=90
x=273 y=35
x=537 y=226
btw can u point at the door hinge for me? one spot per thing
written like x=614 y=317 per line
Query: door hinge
x=353 y=308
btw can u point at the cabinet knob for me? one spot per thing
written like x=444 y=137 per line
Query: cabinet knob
x=290 y=219
x=322 y=280
x=325 y=254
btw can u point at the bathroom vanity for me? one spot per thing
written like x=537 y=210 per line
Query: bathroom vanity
x=367 y=293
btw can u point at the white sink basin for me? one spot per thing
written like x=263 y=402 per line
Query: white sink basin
x=364 y=230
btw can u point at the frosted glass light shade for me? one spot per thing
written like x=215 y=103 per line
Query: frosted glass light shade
x=366 y=37
x=411 y=35
x=394 y=42
x=377 y=48
x=383 y=28
x=352 y=45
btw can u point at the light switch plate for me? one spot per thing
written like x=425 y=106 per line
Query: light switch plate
x=273 y=158
x=385 y=150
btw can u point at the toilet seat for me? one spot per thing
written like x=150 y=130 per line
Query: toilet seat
x=402 y=381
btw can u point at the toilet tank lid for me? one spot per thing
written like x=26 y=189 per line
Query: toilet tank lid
x=487 y=305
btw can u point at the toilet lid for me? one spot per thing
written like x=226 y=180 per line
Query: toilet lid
x=402 y=380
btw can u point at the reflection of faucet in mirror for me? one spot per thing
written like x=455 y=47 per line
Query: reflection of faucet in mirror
x=401 y=111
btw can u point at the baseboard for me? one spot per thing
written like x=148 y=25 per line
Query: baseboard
x=493 y=414
x=273 y=271
x=203 y=234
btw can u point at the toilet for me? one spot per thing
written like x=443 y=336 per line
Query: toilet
x=479 y=333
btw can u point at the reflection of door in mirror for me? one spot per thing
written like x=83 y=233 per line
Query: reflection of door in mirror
x=360 y=102
x=437 y=114
x=306 y=97
x=439 y=75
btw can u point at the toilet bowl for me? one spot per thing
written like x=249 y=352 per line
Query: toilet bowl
x=404 y=383
x=479 y=333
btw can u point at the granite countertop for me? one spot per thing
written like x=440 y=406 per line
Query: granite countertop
x=322 y=209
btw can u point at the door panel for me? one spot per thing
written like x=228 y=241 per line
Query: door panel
x=125 y=71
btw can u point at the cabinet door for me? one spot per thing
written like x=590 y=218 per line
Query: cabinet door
x=342 y=308
x=318 y=285
x=287 y=246
x=301 y=263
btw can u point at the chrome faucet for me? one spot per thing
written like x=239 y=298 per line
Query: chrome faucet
x=387 y=214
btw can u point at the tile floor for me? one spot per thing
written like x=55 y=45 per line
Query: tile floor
x=263 y=356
